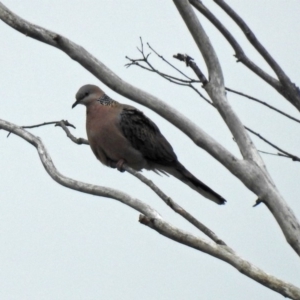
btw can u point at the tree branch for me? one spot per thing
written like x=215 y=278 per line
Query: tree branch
x=180 y=236
x=286 y=154
x=189 y=61
x=263 y=103
x=290 y=91
x=152 y=218
x=66 y=123
x=215 y=87
x=201 y=77
x=78 y=141
x=239 y=52
x=183 y=82
x=74 y=184
x=177 y=208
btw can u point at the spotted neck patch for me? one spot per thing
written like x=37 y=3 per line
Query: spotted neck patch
x=106 y=100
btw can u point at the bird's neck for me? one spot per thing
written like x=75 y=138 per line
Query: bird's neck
x=106 y=100
x=96 y=108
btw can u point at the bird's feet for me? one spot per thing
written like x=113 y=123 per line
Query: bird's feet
x=120 y=165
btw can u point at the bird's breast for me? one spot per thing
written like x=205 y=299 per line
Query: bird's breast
x=107 y=139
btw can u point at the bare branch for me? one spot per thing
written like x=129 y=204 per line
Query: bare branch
x=215 y=87
x=78 y=141
x=74 y=184
x=286 y=154
x=136 y=62
x=252 y=39
x=291 y=91
x=223 y=253
x=189 y=61
x=274 y=154
x=173 y=79
x=263 y=103
x=239 y=52
x=63 y=124
x=177 y=208
x=145 y=59
x=50 y=123
x=171 y=65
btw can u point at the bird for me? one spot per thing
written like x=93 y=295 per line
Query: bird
x=120 y=134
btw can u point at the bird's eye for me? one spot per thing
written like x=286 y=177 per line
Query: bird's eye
x=86 y=94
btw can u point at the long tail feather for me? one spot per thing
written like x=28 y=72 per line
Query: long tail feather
x=181 y=173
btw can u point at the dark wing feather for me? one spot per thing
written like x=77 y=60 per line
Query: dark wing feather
x=145 y=136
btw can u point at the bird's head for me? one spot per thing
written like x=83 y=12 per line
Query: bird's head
x=87 y=94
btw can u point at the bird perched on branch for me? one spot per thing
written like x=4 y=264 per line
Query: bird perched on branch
x=121 y=134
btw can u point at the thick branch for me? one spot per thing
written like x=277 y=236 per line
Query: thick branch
x=291 y=91
x=215 y=88
x=180 y=236
x=239 y=52
x=252 y=39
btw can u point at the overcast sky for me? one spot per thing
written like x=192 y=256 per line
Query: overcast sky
x=56 y=243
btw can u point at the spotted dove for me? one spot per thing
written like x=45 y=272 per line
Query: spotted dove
x=121 y=134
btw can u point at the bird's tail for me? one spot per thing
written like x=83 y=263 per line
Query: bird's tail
x=181 y=173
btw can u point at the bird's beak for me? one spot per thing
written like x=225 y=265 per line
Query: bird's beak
x=75 y=103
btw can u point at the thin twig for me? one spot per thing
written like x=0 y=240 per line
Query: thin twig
x=66 y=123
x=263 y=103
x=293 y=157
x=63 y=124
x=173 y=79
x=152 y=69
x=189 y=61
x=78 y=141
x=171 y=65
x=56 y=123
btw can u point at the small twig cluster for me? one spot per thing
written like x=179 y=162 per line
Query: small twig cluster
x=145 y=64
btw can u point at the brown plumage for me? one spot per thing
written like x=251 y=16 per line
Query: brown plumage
x=121 y=134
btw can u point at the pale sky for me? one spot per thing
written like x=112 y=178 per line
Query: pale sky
x=56 y=243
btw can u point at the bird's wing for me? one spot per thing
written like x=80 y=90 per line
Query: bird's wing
x=145 y=136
